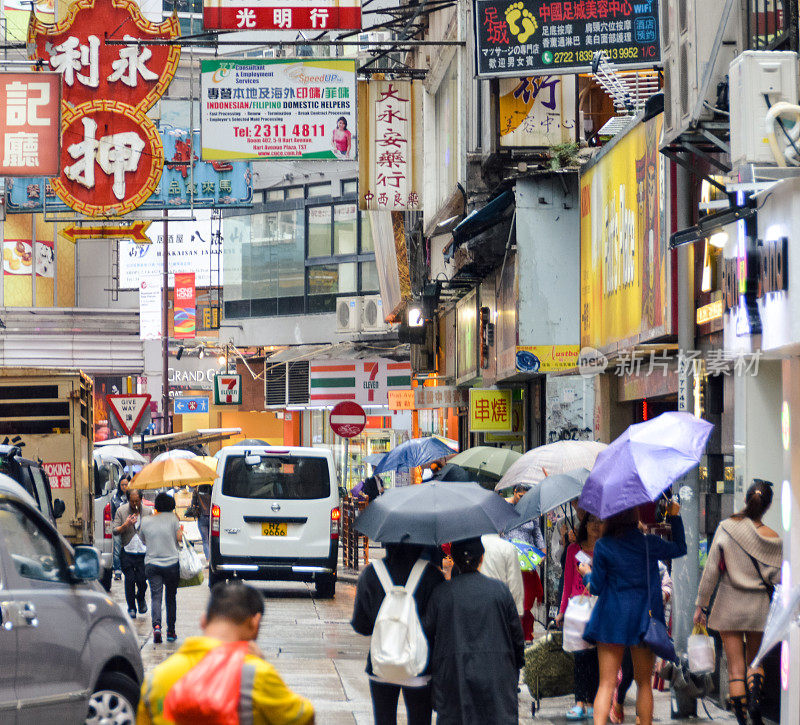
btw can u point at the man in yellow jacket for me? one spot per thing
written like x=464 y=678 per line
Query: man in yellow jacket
x=233 y=615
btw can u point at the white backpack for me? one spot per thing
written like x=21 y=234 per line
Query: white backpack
x=399 y=650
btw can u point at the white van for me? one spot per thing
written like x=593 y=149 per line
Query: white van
x=275 y=516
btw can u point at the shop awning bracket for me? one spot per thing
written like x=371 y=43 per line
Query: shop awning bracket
x=692 y=169
x=711 y=223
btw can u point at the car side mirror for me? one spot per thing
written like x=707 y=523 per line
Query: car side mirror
x=59 y=507
x=87 y=564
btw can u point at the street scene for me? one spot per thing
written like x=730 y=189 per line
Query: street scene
x=399 y=361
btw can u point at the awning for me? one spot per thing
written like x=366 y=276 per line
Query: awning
x=479 y=220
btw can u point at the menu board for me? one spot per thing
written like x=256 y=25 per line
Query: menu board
x=529 y=37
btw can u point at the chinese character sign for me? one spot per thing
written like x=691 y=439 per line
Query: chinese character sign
x=531 y=37
x=390 y=157
x=112 y=156
x=536 y=111
x=185 y=307
x=490 y=411
x=282 y=14
x=30 y=123
x=278 y=109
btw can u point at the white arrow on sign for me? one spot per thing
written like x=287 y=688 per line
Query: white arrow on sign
x=128 y=409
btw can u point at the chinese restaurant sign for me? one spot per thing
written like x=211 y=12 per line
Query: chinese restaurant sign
x=390 y=157
x=282 y=14
x=30 y=123
x=625 y=298
x=278 y=109
x=112 y=156
x=527 y=37
x=490 y=411
x=185 y=308
x=536 y=111
x=204 y=184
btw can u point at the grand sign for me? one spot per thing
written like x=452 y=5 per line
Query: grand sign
x=112 y=155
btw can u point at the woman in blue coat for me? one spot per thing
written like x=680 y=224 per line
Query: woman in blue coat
x=618 y=576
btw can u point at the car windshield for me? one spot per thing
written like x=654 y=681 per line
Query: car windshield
x=276 y=477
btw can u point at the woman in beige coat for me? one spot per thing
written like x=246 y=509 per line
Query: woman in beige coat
x=745 y=560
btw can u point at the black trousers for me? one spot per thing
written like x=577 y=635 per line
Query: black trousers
x=627 y=676
x=163 y=579
x=384 y=703
x=587 y=675
x=135 y=580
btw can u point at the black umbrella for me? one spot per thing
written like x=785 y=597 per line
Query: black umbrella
x=453 y=472
x=435 y=513
x=252 y=442
x=552 y=492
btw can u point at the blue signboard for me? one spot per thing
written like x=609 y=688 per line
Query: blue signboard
x=216 y=184
x=184 y=406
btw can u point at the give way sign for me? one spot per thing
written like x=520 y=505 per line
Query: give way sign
x=348 y=419
x=128 y=410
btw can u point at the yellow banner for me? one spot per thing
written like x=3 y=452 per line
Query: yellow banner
x=624 y=291
x=547 y=358
x=490 y=411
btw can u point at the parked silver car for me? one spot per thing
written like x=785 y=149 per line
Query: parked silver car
x=70 y=653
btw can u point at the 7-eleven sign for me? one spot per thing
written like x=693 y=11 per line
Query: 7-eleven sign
x=227 y=390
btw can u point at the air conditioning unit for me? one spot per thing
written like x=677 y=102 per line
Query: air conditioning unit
x=372 y=318
x=382 y=36
x=286 y=383
x=348 y=314
x=689 y=29
x=758 y=80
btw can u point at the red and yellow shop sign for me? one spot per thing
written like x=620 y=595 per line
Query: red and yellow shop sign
x=490 y=411
x=111 y=155
x=401 y=400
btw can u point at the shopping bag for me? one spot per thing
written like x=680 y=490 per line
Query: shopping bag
x=208 y=694
x=529 y=556
x=576 y=617
x=701 y=651
x=196 y=580
x=189 y=562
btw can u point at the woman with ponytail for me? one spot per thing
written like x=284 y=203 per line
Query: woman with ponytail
x=477 y=650
x=744 y=562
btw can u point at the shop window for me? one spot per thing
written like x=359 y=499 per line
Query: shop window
x=319 y=189
x=296 y=192
x=319 y=231
x=350 y=187
x=345 y=232
x=369 y=277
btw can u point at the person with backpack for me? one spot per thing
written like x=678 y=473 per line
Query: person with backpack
x=477 y=648
x=222 y=676
x=391 y=599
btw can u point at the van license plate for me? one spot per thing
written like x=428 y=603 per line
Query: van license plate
x=273 y=529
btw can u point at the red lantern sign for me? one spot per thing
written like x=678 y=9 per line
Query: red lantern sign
x=111 y=156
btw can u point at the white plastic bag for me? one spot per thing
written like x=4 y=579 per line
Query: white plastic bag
x=701 y=651
x=576 y=617
x=189 y=562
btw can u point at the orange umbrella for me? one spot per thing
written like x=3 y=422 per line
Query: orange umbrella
x=171 y=472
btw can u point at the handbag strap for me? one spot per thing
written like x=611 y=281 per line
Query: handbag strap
x=647 y=567
x=769 y=587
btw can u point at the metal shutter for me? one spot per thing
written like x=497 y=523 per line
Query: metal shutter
x=275 y=384
x=298 y=382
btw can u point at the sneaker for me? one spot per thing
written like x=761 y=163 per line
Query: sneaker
x=117 y=576
x=171 y=636
x=132 y=613
x=142 y=607
x=577 y=712
x=156 y=635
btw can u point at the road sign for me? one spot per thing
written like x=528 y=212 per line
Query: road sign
x=227 y=390
x=190 y=405
x=128 y=410
x=135 y=231
x=348 y=419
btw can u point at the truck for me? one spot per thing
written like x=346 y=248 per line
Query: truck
x=47 y=431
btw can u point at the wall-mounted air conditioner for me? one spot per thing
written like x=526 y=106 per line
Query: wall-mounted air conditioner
x=372 y=319
x=348 y=314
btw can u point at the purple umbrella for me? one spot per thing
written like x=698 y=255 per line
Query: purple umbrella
x=644 y=461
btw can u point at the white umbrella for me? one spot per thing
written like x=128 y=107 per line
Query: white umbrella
x=177 y=453
x=121 y=453
x=560 y=457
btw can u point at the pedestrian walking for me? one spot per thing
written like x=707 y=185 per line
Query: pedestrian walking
x=476 y=645
x=118 y=498
x=585 y=661
x=200 y=506
x=161 y=534
x=744 y=565
x=501 y=562
x=624 y=560
x=233 y=616
x=127 y=525
x=528 y=533
x=399 y=561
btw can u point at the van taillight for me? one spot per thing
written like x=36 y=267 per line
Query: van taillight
x=215 y=512
x=336 y=514
x=107 y=533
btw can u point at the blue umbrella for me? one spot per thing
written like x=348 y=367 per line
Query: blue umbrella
x=643 y=462
x=413 y=453
x=374 y=458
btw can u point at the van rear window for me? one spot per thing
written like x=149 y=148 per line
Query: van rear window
x=276 y=477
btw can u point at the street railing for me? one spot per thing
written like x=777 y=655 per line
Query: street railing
x=772 y=24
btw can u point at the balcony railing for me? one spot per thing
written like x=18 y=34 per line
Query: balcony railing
x=772 y=24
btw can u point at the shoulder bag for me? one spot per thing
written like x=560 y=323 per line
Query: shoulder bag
x=767 y=585
x=656 y=637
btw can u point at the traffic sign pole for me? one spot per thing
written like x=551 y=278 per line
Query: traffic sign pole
x=347 y=420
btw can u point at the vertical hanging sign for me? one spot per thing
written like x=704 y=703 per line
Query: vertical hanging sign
x=390 y=148
x=150 y=308
x=184 y=307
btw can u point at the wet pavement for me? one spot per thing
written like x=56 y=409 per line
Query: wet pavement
x=311 y=644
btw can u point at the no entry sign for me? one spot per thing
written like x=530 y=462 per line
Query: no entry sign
x=348 y=419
